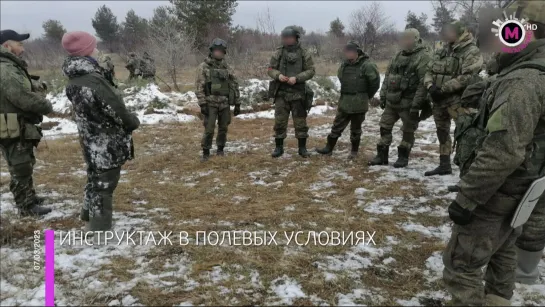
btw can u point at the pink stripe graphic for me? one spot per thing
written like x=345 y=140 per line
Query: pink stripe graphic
x=49 y=268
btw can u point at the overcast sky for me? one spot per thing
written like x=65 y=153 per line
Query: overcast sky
x=28 y=16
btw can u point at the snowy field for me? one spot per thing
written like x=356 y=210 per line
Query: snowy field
x=166 y=188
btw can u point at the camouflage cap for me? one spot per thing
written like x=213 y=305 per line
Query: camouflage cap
x=290 y=31
x=413 y=33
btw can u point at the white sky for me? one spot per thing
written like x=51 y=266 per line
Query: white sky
x=28 y=16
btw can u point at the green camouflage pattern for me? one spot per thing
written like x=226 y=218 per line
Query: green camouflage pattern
x=307 y=72
x=506 y=162
x=389 y=118
x=403 y=87
x=355 y=94
x=223 y=117
x=17 y=96
x=443 y=119
x=202 y=84
x=133 y=65
x=282 y=110
x=342 y=120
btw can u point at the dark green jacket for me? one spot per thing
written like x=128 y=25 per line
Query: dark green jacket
x=367 y=80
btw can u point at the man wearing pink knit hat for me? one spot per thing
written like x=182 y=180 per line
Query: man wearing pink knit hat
x=104 y=126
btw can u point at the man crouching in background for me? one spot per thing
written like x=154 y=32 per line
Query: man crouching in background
x=104 y=126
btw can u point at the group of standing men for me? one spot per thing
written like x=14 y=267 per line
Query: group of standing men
x=143 y=67
x=505 y=132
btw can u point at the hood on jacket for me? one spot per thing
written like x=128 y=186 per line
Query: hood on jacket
x=534 y=50
x=417 y=48
x=463 y=40
x=363 y=56
x=6 y=54
x=74 y=66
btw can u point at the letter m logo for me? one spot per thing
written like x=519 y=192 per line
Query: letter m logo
x=510 y=34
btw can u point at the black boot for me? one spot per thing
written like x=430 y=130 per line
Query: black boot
x=279 y=149
x=444 y=167
x=205 y=155
x=453 y=188
x=402 y=157
x=35 y=210
x=328 y=149
x=382 y=156
x=354 y=150
x=303 y=148
x=220 y=151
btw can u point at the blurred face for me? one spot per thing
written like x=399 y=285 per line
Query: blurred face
x=449 y=35
x=289 y=40
x=14 y=47
x=218 y=54
x=406 y=42
x=350 y=54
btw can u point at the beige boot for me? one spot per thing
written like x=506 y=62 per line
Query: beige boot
x=494 y=300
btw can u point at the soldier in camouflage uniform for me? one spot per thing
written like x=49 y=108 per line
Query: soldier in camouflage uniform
x=216 y=90
x=21 y=109
x=507 y=159
x=108 y=66
x=147 y=67
x=290 y=68
x=402 y=96
x=451 y=70
x=104 y=126
x=134 y=66
x=360 y=80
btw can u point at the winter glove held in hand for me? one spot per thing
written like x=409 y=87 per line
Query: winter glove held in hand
x=435 y=93
x=460 y=216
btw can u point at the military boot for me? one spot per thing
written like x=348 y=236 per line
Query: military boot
x=453 y=188
x=279 y=149
x=494 y=300
x=39 y=200
x=35 y=210
x=205 y=155
x=354 y=150
x=303 y=148
x=444 y=167
x=382 y=156
x=328 y=149
x=402 y=157
x=527 y=271
x=220 y=151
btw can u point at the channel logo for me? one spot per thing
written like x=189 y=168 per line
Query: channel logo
x=515 y=34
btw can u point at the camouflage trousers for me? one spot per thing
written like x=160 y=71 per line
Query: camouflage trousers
x=223 y=116
x=443 y=116
x=488 y=241
x=342 y=120
x=20 y=159
x=98 y=198
x=389 y=118
x=533 y=232
x=282 y=109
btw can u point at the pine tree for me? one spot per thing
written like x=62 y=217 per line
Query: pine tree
x=442 y=16
x=134 y=30
x=106 y=26
x=53 y=30
x=418 y=22
x=336 y=28
x=204 y=18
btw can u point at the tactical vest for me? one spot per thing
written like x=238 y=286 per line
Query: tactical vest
x=402 y=78
x=471 y=133
x=447 y=66
x=218 y=81
x=352 y=79
x=291 y=64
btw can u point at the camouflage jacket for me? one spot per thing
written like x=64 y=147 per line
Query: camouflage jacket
x=403 y=85
x=454 y=67
x=516 y=119
x=308 y=70
x=133 y=65
x=202 y=83
x=104 y=124
x=147 y=67
x=366 y=83
x=18 y=94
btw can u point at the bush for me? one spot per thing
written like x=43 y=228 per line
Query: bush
x=325 y=83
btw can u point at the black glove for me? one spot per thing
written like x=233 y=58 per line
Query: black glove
x=237 y=110
x=382 y=104
x=415 y=115
x=204 y=109
x=460 y=216
x=435 y=93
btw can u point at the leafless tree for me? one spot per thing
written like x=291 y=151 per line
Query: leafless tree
x=266 y=25
x=369 y=25
x=171 y=48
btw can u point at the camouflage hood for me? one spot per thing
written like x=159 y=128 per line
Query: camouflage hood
x=5 y=55
x=417 y=48
x=465 y=39
x=79 y=66
x=363 y=56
